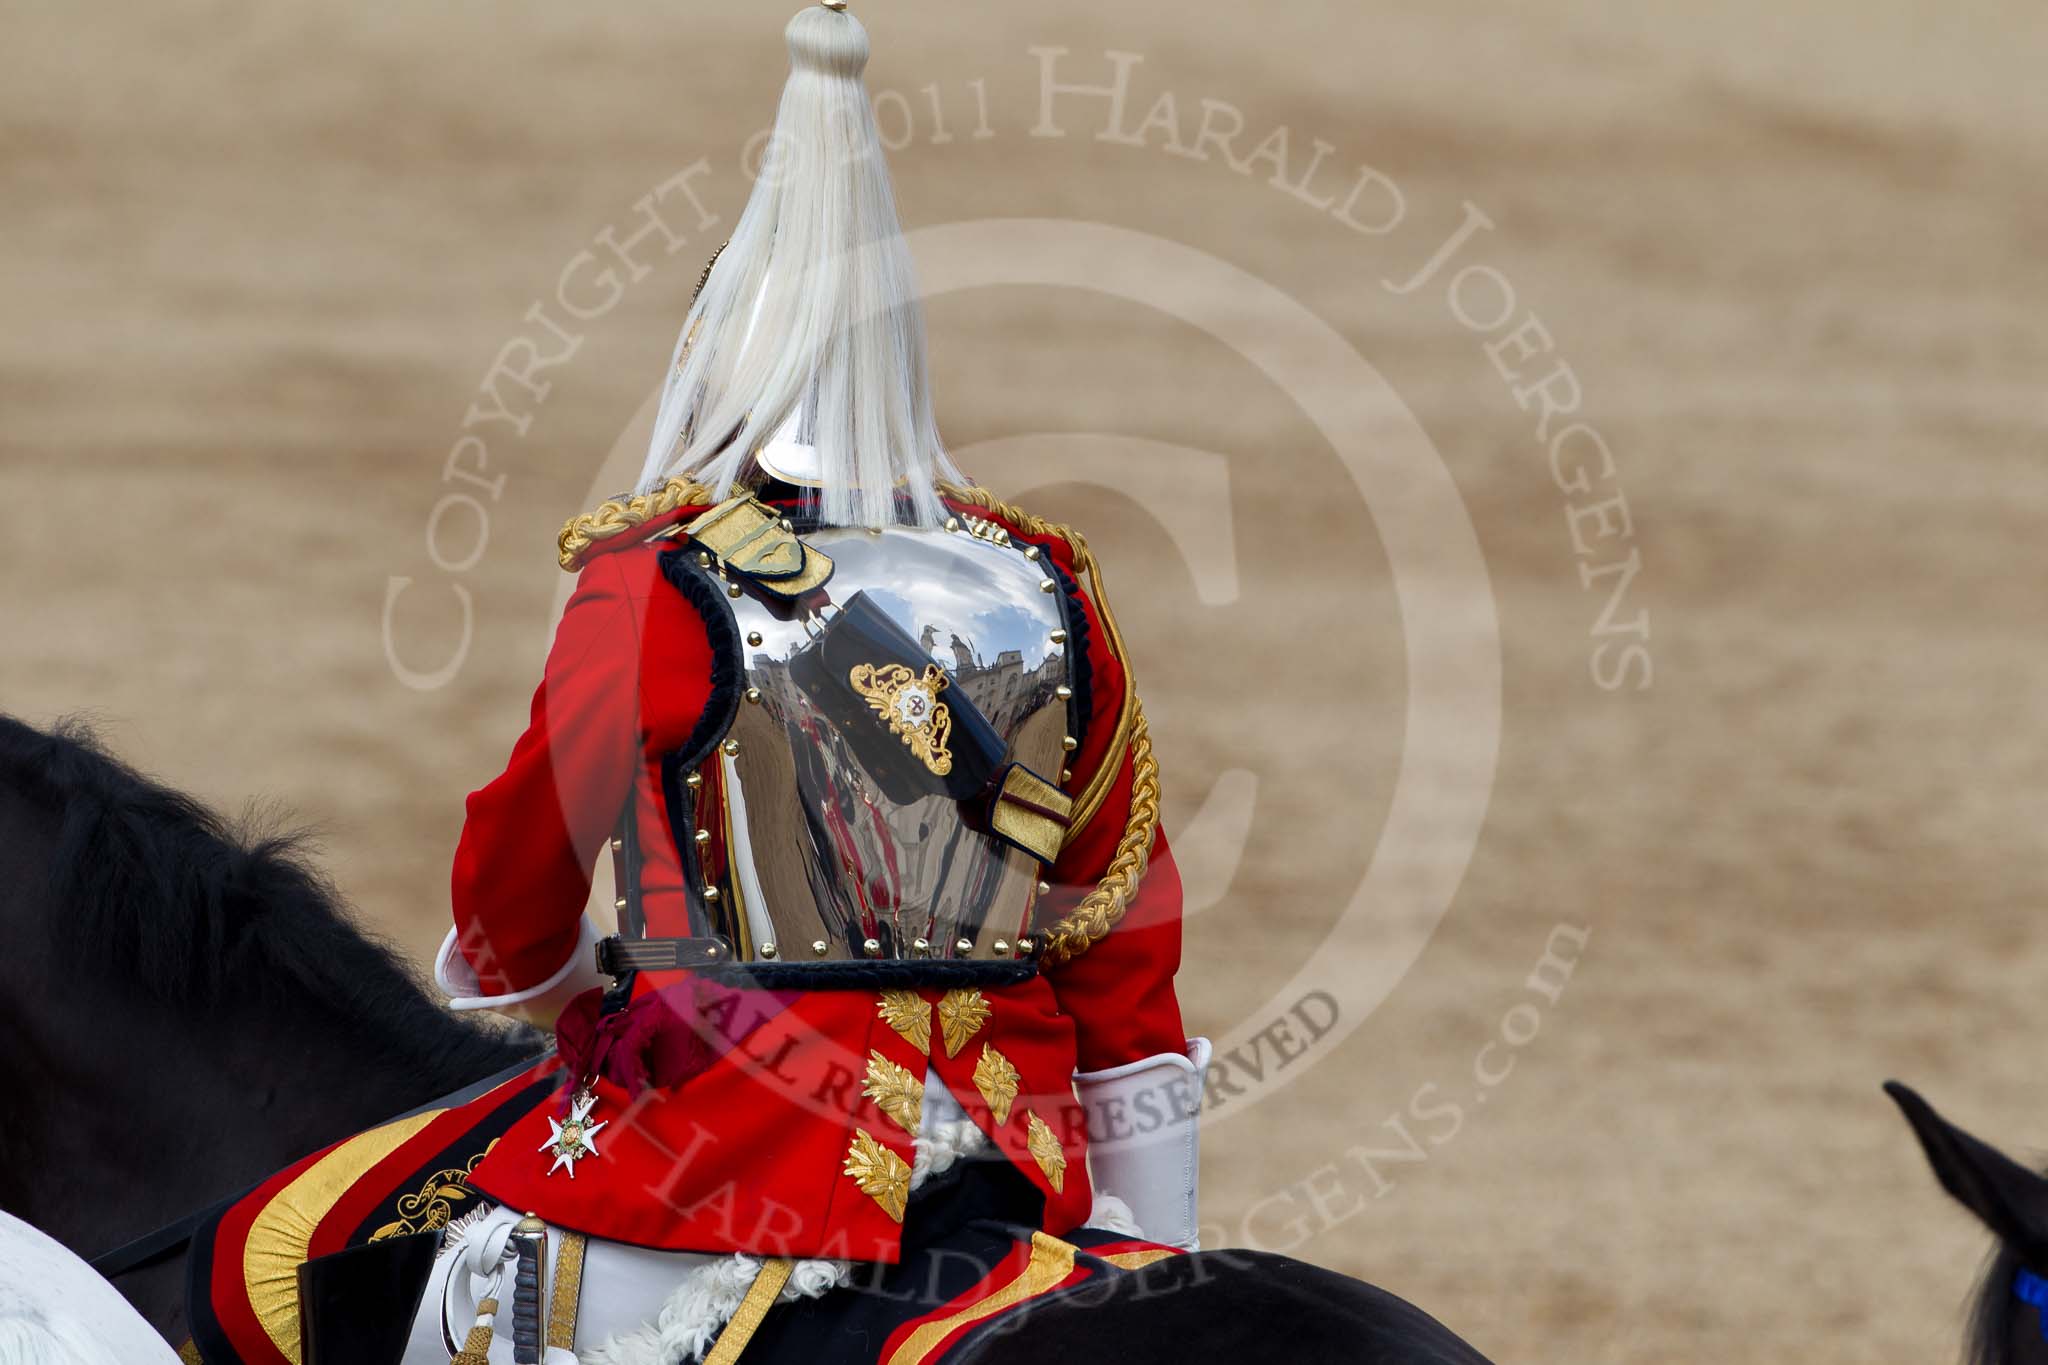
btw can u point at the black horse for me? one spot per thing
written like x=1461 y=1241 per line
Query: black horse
x=2009 y=1321
x=188 y=1009
x=1222 y=1306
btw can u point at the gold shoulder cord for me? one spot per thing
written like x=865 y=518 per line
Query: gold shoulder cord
x=1103 y=908
x=1099 y=911
x=620 y=515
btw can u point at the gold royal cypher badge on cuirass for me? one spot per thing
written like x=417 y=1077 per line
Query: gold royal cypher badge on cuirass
x=910 y=703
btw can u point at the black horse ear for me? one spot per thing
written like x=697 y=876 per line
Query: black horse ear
x=2010 y=1199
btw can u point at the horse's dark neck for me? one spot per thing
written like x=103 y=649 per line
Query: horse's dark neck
x=284 y=1086
x=186 y=1005
x=171 y=1116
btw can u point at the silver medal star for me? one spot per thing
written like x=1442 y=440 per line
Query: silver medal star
x=573 y=1140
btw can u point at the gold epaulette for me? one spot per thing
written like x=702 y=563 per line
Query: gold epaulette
x=622 y=515
x=1102 y=908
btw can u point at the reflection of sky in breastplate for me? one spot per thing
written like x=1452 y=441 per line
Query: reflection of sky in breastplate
x=977 y=609
x=1001 y=659
x=922 y=869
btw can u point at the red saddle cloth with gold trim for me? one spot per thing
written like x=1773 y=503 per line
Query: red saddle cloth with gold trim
x=406 y=1177
x=969 y=1250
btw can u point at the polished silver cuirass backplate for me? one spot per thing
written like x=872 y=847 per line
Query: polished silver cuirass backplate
x=825 y=867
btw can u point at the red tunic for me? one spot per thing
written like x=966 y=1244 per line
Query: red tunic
x=751 y=1153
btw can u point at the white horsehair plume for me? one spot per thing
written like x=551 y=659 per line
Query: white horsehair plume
x=810 y=319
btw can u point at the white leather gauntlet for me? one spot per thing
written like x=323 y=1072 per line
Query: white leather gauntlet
x=536 y=1005
x=1144 y=1139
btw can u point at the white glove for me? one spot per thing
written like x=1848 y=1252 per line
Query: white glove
x=536 y=1005
x=1144 y=1139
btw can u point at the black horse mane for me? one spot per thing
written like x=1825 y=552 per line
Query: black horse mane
x=1994 y=1316
x=194 y=911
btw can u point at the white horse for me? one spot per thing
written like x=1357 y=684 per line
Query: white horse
x=55 y=1311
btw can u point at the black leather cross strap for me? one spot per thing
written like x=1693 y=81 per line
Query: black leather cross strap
x=617 y=956
x=862 y=639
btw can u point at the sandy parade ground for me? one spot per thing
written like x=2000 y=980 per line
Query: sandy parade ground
x=1571 y=480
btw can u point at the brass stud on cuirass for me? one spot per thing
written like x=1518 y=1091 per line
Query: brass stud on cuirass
x=711 y=895
x=920 y=947
x=694 y=781
x=619 y=904
x=754 y=637
x=1069 y=743
x=768 y=951
x=872 y=947
x=1047 y=585
x=754 y=695
x=703 y=836
x=1002 y=946
x=732 y=748
x=1063 y=692
x=964 y=947
x=1059 y=637
x=819 y=947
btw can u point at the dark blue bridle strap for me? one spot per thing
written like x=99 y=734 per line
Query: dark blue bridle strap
x=2028 y=1287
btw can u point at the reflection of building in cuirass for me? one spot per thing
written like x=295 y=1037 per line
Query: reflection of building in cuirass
x=844 y=863
x=1010 y=688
